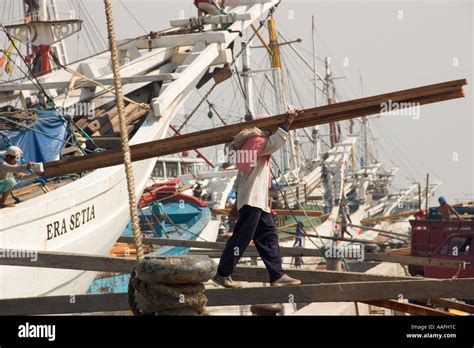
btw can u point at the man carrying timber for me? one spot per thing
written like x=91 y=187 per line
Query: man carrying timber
x=255 y=221
x=446 y=210
x=10 y=170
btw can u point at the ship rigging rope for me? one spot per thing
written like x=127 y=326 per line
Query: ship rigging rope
x=133 y=17
x=301 y=207
x=321 y=248
x=206 y=96
x=123 y=132
x=36 y=81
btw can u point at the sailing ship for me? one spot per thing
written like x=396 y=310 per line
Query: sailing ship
x=88 y=213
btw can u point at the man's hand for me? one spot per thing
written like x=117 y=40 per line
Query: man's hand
x=234 y=212
x=290 y=118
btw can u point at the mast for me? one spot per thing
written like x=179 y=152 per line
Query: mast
x=280 y=95
x=365 y=135
x=316 y=139
x=365 y=142
x=60 y=46
x=42 y=29
x=330 y=93
x=248 y=83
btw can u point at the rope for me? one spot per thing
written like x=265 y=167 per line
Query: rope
x=161 y=299
x=301 y=207
x=33 y=76
x=323 y=247
x=123 y=131
x=131 y=295
x=188 y=117
x=167 y=217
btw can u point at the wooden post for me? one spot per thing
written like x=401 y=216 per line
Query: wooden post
x=126 y=155
x=426 y=193
x=419 y=197
x=334 y=264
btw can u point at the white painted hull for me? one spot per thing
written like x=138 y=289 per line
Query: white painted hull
x=26 y=226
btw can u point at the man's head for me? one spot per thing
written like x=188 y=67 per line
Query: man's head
x=300 y=224
x=442 y=200
x=13 y=155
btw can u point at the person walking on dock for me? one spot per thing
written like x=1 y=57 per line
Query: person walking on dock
x=255 y=221
x=298 y=260
x=299 y=235
x=345 y=218
x=9 y=170
x=446 y=210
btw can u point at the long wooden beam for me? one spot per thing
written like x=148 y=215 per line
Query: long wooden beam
x=122 y=265
x=218 y=246
x=64 y=305
x=258 y=274
x=222 y=19
x=416 y=261
x=68 y=261
x=342 y=292
x=451 y=304
x=8 y=87
x=382 y=232
x=409 y=308
x=310 y=117
x=350 y=240
x=280 y=212
x=335 y=292
x=119 y=302
x=111 y=264
x=387 y=218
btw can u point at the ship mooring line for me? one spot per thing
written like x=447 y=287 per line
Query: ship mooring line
x=123 y=132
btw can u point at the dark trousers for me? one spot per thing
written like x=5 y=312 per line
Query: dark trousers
x=257 y=225
x=298 y=242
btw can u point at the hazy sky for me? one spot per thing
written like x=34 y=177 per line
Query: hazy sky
x=392 y=45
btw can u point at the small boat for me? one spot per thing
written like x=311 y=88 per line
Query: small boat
x=164 y=212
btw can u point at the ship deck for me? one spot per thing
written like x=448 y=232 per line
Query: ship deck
x=36 y=189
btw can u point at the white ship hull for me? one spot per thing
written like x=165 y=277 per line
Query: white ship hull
x=87 y=216
x=48 y=223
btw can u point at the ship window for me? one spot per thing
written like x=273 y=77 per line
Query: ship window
x=457 y=246
x=158 y=171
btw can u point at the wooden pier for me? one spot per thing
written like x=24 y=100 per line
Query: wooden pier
x=317 y=286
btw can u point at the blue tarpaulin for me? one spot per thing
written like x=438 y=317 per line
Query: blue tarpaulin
x=41 y=143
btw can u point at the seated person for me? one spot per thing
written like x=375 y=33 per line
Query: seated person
x=446 y=210
x=209 y=7
x=10 y=170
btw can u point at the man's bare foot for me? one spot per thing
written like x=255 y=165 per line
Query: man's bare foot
x=7 y=205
